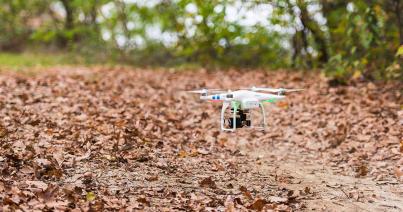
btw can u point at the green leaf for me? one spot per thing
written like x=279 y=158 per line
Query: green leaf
x=399 y=51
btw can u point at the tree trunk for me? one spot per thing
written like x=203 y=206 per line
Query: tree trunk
x=69 y=20
x=330 y=11
x=124 y=20
x=399 y=20
x=296 y=49
x=93 y=12
x=314 y=28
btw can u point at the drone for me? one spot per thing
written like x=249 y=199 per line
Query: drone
x=240 y=103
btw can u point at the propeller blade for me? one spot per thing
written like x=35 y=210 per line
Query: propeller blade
x=201 y=91
x=197 y=91
x=276 y=90
x=293 y=90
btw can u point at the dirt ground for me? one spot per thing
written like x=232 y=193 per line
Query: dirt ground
x=123 y=139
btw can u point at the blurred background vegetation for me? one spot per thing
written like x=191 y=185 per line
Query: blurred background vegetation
x=344 y=39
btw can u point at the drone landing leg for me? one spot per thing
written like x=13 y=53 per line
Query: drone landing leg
x=234 y=117
x=263 y=114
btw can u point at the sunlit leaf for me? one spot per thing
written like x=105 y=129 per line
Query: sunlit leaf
x=400 y=51
x=90 y=196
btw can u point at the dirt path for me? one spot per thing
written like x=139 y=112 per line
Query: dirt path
x=321 y=187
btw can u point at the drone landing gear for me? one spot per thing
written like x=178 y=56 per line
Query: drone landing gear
x=240 y=118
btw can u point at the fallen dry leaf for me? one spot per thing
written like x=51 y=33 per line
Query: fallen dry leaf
x=208 y=182
x=120 y=139
x=258 y=205
x=245 y=192
x=399 y=172
x=152 y=178
x=144 y=201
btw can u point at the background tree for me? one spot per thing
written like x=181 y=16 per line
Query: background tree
x=348 y=39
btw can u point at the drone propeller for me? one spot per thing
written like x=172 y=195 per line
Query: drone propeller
x=205 y=90
x=198 y=91
x=276 y=90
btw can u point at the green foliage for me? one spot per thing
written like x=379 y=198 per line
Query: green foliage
x=13 y=60
x=26 y=60
x=399 y=52
x=350 y=39
x=394 y=71
x=363 y=43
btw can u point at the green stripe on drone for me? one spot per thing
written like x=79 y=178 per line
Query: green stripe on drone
x=270 y=100
x=235 y=104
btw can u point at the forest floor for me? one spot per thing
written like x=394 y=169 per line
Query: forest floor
x=108 y=139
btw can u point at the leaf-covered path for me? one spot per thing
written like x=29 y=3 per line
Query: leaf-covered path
x=109 y=139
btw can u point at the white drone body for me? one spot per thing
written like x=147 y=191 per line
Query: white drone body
x=241 y=101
